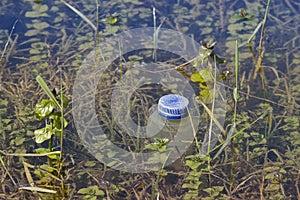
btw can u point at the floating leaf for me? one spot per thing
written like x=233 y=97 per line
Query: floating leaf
x=243 y=15
x=34 y=51
x=206 y=30
x=34 y=14
x=41 y=25
x=32 y=32
x=42 y=8
x=54 y=9
x=58 y=19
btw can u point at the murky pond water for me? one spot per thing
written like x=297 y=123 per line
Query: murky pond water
x=113 y=61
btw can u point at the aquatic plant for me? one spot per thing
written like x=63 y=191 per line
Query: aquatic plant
x=256 y=156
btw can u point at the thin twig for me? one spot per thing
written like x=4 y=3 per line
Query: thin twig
x=30 y=154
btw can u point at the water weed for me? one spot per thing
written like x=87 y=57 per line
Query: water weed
x=255 y=156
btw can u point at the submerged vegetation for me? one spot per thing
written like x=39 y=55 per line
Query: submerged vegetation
x=254 y=44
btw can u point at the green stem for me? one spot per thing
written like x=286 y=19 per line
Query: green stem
x=61 y=120
x=259 y=67
x=154 y=34
x=235 y=96
x=50 y=150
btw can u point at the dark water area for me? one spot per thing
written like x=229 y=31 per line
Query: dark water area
x=256 y=146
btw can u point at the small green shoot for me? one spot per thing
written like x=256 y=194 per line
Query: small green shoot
x=159 y=144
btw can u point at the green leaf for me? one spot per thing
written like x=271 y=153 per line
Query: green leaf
x=43 y=84
x=47 y=168
x=34 y=51
x=243 y=15
x=205 y=93
x=214 y=191
x=158 y=145
x=32 y=32
x=92 y=190
x=34 y=14
x=197 y=78
x=41 y=25
x=204 y=53
x=193 y=186
x=43 y=134
x=283 y=171
x=42 y=8
x=44 y=150
x=44 y=109
x=57 y=120
x=3 y=103
x=90 y=163
x=192 y=164
x=205 y=74
x=41 y=150
x=65 y=100
x=112 y=19
x=19 y=141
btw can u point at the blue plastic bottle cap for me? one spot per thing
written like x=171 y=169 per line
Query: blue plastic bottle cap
x=172 y=106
